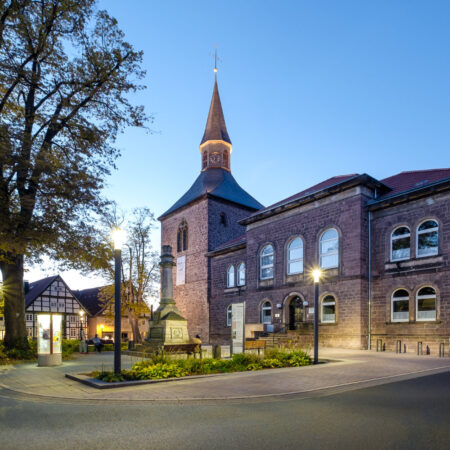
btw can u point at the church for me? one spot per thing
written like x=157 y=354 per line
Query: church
x=383 y=247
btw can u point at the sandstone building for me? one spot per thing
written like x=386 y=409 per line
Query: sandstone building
x=383 y=247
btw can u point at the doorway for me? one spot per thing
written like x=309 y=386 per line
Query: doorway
x=295 y=312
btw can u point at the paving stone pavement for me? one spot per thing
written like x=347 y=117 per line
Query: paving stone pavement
x=346 y=369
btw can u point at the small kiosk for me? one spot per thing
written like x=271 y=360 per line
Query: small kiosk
x=49 y=339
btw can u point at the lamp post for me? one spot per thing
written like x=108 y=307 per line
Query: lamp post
x=316 y=277
x=118 y=236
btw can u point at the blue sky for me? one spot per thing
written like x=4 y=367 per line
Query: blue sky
x=310 y=89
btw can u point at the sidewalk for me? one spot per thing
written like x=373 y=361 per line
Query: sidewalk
x=349 y=369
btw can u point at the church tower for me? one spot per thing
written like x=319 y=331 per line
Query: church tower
x=205 y=217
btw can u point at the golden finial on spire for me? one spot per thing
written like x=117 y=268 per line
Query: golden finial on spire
x=216 y=58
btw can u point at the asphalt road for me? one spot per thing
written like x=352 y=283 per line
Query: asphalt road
x=403 y=415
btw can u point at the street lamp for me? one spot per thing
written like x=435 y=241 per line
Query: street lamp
x=118 y=237
x=316 y=276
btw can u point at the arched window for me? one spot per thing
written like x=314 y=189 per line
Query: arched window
x=295 y=256
x=427 y=238
x=230 y=276
x=400 y=306
x=266 y=263
x=241 y=274
x=400 y=244
x=329 y=249
x=229 y=316
x=266 y=313
x=426 y=304
x=182 y=237
x=328 y=309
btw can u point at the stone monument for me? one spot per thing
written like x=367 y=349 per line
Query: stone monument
x=167 y=326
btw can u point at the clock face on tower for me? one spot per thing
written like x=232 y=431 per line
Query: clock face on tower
x=214 y=158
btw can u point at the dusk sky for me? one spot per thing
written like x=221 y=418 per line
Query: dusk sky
x=309 y=89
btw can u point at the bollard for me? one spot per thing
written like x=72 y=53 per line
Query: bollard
x=428 y=350
x=441 y=350
x=419 y=348
x=404 y=348
x=384 y=347
x=398 y=346
x=379 y=345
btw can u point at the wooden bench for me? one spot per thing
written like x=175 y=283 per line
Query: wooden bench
x=255 y=345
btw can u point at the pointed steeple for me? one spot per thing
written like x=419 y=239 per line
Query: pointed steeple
x=215 y=130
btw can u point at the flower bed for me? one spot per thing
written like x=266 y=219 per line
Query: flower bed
x=161 y=367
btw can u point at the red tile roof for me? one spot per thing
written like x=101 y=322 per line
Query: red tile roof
x=414 y=179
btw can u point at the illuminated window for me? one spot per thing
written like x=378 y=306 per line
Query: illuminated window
x=400 y=244
x=400 y=306
x=329 y=249
x=427 y=238
x=266 y=262
x=426 y=304
x=295 y=256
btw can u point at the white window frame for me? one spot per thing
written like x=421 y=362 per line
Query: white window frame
x=426 y=319
x=229 y=316
x=335 y=252
x=266 y=306
x=395 y=299
x=328 y=303
x=267 y=266
x=430 y=230
x=403 y=236
x=295 y=260
x=241 y=271
x=230 y=277
x=29 y=317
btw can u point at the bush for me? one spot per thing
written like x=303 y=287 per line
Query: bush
x=160 y=367
x=8 y=356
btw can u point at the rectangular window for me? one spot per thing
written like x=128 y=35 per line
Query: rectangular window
x=400 y=310
x=401 y=248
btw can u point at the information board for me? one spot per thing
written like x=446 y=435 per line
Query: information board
x=237 y=327
x=181 y=270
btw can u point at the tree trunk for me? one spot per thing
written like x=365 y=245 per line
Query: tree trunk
x=134 y=322
x=14 y=296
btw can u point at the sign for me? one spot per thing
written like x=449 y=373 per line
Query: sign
x=310 y=310
x=181 y=270
x=237 y=327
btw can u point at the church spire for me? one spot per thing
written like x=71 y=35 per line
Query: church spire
x=216 y=143
x=216 y=129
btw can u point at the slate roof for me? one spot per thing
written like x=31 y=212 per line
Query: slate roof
x=217 y=183
x=36 y=288
x=413 y=179
x=316 y=188
x=216 y=129
x=232 y=243
x=89 y=298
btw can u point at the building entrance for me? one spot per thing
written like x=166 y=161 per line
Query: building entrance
x=295 y=312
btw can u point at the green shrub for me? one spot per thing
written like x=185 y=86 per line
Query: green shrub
x=160 y=367
x=8 y=356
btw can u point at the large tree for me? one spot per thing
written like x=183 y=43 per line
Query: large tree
x=66 y=73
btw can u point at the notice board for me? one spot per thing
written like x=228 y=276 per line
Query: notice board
x=237 y=327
